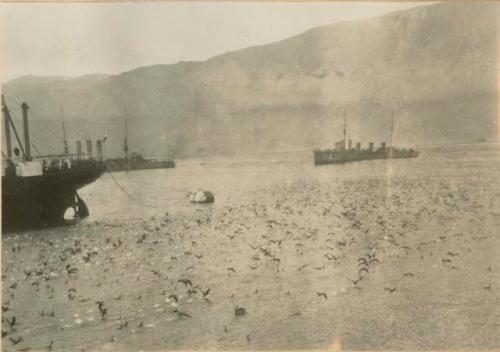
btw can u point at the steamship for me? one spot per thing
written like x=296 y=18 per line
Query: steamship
x=346 y=153
x=135 y=161
x=38 y=190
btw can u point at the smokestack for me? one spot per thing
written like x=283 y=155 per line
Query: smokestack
x=382 y=146
x=370 y=146
x=358 y=147
x=89 y=148
x=79 y=148
x=99 y=149
x=27 y=144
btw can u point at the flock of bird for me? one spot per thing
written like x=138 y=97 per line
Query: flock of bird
x=222 y=264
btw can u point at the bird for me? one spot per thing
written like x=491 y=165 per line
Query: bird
x=361 y=270
x=157 y=273
x=103 y=310
x=231 y=269
x=322 y=294
x=181 y=313
x=87 y=257
x=5 y=307
x=391 y=290
x=186 y=282
x=142 y=238
x=238 y=311
x=302 y=267
x=355 y=282
x=16 y=341
x=451 y=254
x=362 y=261
x=71 y=270
x=205 y=293
x=408 y=275
x=123 y=325
x=276 y=241
x=11 y=321
x=331 y=257
x=174 y=297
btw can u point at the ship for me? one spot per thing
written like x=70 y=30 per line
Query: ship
x=346 y=152
x=39 y=190
x=135 y=161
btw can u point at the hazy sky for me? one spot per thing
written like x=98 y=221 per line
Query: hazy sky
x=77 y=39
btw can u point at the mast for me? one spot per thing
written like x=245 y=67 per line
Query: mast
x=392 y=128
x=27 y=145
x=345 y=129
x=125 y=145
x=11 y=123
x=6 y=116
x=391 y=149
x=65 y=142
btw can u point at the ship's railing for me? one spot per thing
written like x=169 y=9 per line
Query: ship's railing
x=55 y=163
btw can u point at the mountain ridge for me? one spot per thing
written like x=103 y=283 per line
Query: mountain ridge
x=297 y=91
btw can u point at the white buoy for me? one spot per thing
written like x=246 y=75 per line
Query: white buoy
x=201 y=196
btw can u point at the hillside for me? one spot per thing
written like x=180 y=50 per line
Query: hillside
x=434 y=67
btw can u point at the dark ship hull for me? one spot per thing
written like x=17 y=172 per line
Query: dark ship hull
x=42 y=200
x=324 y=157
x=115 y=165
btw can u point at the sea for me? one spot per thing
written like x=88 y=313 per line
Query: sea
x=144 y=193
x=373 y=255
